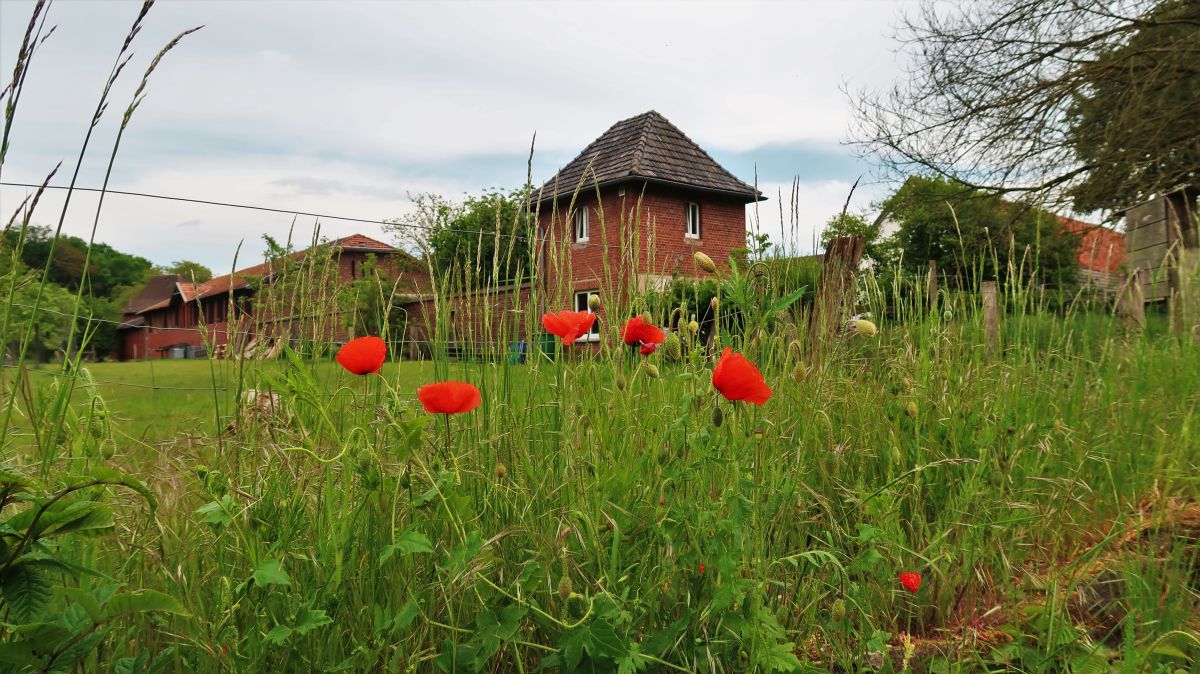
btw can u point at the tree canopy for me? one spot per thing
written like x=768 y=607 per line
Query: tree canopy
x=1088 y=104
x=974 y=235
x=192 y=271
x=479 y=240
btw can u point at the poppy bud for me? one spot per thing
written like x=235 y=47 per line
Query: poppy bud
x=908 y=384
x=647 y=317
x=897 y=457
x=405 y=480
x=662 y=501
x=714 y=303
x=652 y=371
x=911 y=409
x=837 y=611
x=799 y=373
x=758 y=434
x=620 y=382
x=947 y=315
x=594 y=302
x=718 y=416
x=584 y=421
x=501 y=471
x=864 y=327
x=564 y=587
x=704 y=262
x=108 y=449
x=693 y=327
x=673 y=348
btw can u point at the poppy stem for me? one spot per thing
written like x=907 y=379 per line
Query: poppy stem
x=447 y=418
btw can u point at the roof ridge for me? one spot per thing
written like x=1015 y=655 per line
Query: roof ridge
x=640 y=150
x=704 y=152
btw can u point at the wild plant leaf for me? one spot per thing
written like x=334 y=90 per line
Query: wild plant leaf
x=19 y=655
x=142 y=601
x=218 y=513
x=270 y=572
x=308 y=620
x=782 y=658
x=633 y=661
x=786 y=301
x=84 y=600
x=14 y=480
x=26 y=591
x=76 y=650
x=278 y=635
x=97 y=518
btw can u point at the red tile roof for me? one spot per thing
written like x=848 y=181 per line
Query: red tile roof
x=1100 y=248
x=242 y=277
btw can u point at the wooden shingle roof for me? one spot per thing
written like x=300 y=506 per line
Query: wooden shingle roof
x=645 y=148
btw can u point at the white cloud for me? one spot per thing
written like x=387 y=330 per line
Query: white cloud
x=346 y=107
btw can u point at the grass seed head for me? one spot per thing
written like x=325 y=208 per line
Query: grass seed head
x=501 y=471
x=864 y=327
x=911 y=408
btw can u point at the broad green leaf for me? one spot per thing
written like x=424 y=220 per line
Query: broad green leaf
x=278 y=635
x=85 y=600
x=218 y=513
x=20 y=654
x=142 y=601
x=310 y=619
x=270 y=572
x=27 y=592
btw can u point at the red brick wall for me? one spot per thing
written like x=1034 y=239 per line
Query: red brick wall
x=641 y=231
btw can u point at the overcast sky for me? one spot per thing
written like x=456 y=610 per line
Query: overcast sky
x=347 y=108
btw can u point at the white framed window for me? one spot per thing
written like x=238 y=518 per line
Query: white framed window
x=581 y=304
x=581 y=226
x=692 y=218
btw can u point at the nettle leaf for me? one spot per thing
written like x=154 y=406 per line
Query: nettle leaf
x=26 y=592
x=270 y=572
x=218 y=513
x=142 y=601
x=308 y=620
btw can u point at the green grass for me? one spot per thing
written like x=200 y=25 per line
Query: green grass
x=564 y=523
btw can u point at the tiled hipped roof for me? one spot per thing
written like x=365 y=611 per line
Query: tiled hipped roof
x=646 y=147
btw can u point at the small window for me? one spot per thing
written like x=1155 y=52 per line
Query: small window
x=581 y=226
x=693 y=221
x=581 y=304
x=353 y=269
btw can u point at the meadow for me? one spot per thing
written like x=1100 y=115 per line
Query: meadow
x=908 y=497
x=598 y=514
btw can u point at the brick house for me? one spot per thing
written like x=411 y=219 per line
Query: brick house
x=625 y=215
x=172 y=317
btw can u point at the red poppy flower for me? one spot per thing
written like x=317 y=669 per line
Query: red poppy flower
x=737 y=379
x=449 y=397
x=911 y=580
x=569 y=325
x=701 y=569
x=649 y=348
x=363 y=355
x=638 y=332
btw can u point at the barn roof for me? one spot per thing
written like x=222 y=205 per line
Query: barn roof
x=159 y=290
x=1100 y=248
x=645 y=148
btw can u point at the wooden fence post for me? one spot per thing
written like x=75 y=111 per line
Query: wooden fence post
x=991 y=318
x=931 y=287
x=1131 y=303
x=842 y=258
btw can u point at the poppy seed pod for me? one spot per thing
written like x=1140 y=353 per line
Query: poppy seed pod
x=620 y=382
x=594 y=302
x=799 y=374
x=704 y=262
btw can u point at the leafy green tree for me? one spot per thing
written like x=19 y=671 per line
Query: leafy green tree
x=483 y=239
x=875 y=246
x=192 y=271
x=973 y=235
x=1136 y=128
